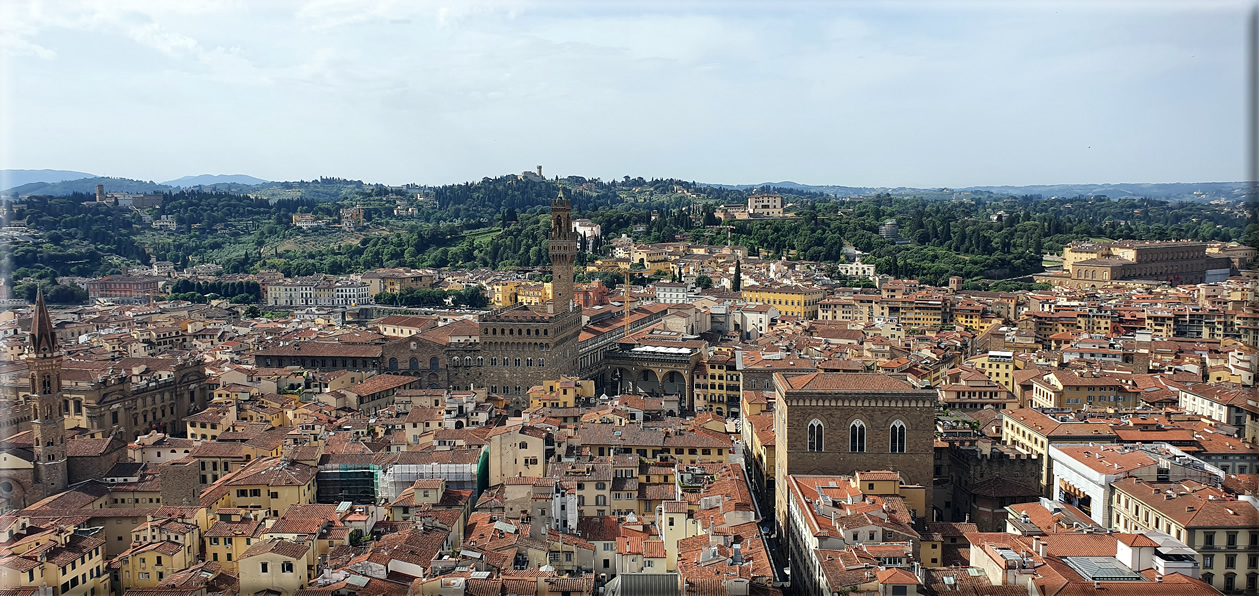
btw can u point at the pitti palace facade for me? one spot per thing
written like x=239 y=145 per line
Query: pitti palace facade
x=1095 y=264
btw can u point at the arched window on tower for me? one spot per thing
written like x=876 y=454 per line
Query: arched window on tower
x=432 y=363
x=817 y=438
x=896 y=442
x=857 y=437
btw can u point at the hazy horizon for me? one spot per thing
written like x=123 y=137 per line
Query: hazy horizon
x=909 y=94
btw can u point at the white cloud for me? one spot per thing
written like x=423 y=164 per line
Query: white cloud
x=442 y=91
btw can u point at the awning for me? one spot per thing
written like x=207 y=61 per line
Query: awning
x=1070 y=489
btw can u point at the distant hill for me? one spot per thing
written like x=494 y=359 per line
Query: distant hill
x=12 y=178
x=212 y=179
x=1204 y=191
x=85 y=185
x=838 y=191
x=1173 y=191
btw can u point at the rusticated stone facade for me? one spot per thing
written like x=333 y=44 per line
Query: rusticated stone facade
x=1094 y=264
x=508 y=351
x=521 y=346
x=815 y=414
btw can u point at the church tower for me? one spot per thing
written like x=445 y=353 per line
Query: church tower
x=563 y=252
x=48 y=422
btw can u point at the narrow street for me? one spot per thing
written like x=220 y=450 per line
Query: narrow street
x=777 y=552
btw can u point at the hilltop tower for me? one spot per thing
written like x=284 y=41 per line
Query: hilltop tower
x=563 y=252
x=48 y=422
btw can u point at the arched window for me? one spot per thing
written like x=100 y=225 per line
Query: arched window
x=493 y=361
x=415 y=364
x=896 y=443
x=541 y=361
x=529 y=362
x=467 y=361
x=817 y=439
x=432 y=363
x=857 y=437
x=480 y=361
x=393 y=364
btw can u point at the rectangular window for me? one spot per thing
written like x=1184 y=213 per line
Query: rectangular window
x=264 y=567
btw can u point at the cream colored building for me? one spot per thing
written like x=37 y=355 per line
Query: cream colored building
x=274 y=565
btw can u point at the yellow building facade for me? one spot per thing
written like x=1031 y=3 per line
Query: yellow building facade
x=795 y=301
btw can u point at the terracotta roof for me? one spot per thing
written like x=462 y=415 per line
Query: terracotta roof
x=381 y=383
x=82 y=447
x=849 y=382
x=284 y=548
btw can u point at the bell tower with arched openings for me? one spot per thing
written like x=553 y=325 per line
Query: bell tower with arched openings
x=48 y=422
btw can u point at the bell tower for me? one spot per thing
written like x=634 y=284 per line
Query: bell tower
x=563 y=252
x=48 y=422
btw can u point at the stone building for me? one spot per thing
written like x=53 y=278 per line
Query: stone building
x=521 y=346
x=130 y=397
x=986 y=478
x=1093 y=264
x=841 y=423
x=506 y=351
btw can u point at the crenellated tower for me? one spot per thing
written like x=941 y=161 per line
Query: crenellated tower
x=48 y=422
x=563 y=252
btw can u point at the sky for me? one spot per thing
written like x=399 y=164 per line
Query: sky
x=922 y=94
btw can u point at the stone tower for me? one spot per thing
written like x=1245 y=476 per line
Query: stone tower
x=48 y=422
x=563 y=251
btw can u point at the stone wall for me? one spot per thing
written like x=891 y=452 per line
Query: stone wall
x=181 y=483
x=877 y=411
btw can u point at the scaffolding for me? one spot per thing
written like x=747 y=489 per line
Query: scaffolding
x=399 y=477
x=356 y=483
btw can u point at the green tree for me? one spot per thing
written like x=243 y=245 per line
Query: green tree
x=737 y=283
x=703 y=282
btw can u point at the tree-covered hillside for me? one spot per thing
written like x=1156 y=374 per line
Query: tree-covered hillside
x=502 y=223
